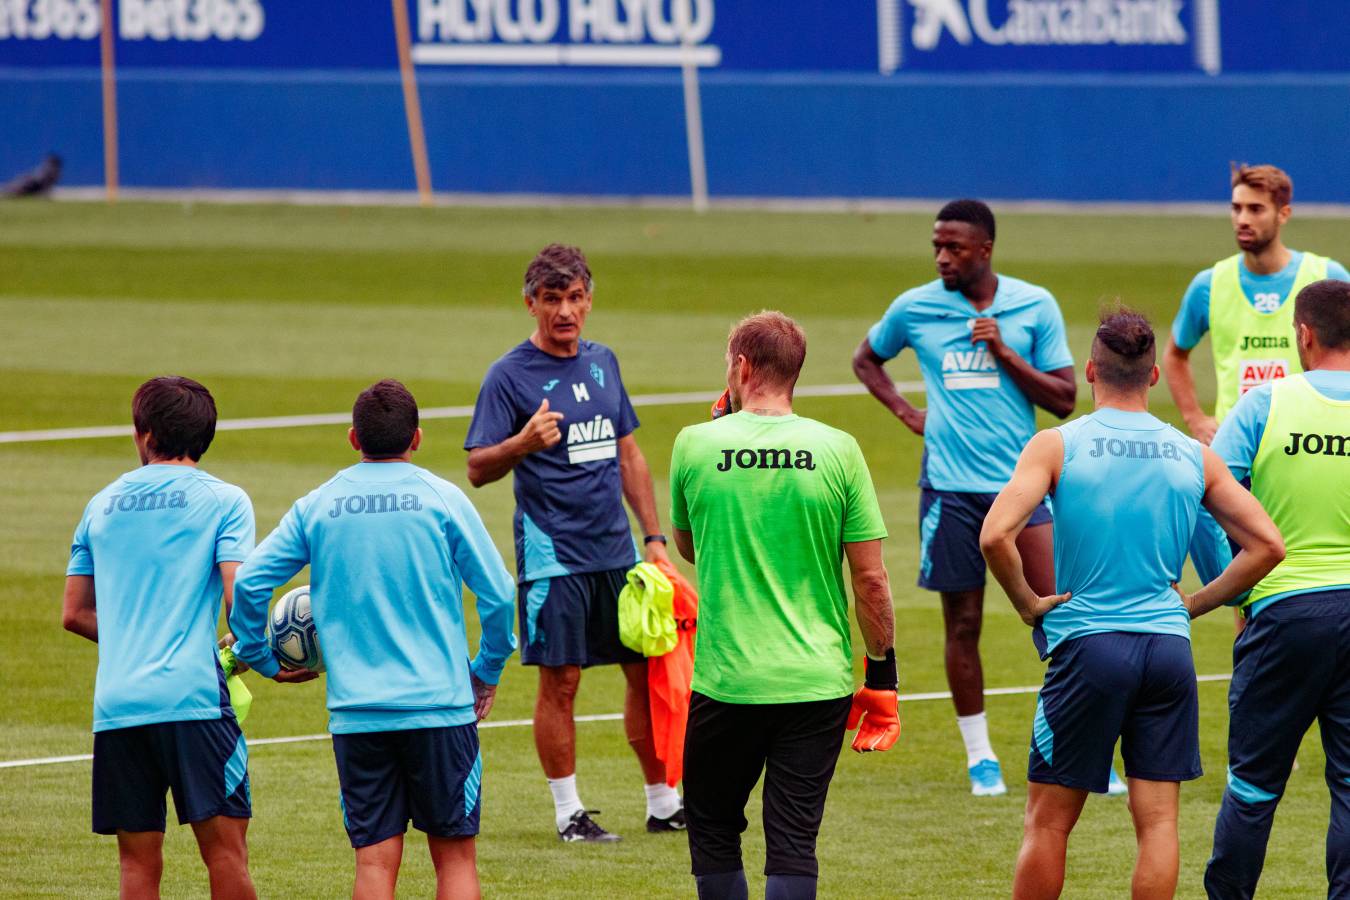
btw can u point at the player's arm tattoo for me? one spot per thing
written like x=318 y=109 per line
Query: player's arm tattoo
x=871 y=596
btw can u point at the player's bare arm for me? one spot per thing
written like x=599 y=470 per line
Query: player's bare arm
x=227 y=573
x=1055 y=391
x=78 y=614
x=871 y=371
x=1241 y=515
x=1176 y=366
x=871 y=596
x=684 y=542
x=875 y=711
x=1035 y=476
x=637 y=490
x=488 y=464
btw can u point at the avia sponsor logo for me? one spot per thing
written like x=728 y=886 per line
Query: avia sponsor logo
x=137 y=20
x=762 y=458
x=966 y=370
x=374 y=503
x=1048 y=22
x=565 y=32
x=1318 y=444
x=591 y=440
x=1135 y=449
x=147 y=502
x=1250 y=342
x=1253 y=373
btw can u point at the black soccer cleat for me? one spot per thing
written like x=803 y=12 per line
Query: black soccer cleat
x=582 y=828
x=673 y=822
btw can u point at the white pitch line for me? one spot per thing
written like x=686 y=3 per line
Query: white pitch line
x=520 y=723
x=435 y=412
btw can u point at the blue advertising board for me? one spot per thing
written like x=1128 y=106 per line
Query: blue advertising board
x=872 y=36
x=1086 y=99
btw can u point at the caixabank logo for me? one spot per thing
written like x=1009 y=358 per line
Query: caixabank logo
x=1049 y=34
x=565 y=33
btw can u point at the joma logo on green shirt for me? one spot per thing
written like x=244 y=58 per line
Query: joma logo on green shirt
x=765 y=459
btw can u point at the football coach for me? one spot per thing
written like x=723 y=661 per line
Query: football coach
x=767 y=504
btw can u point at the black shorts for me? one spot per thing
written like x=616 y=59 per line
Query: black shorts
x=573 y=620
x=433 y=776
x=727 y=747
x=203 y=762
x=1138 y=688
x=949 y=538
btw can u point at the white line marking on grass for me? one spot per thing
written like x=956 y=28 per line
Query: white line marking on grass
x=521 y=723
x=435 y=412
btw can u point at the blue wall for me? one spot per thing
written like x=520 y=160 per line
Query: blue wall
x=806 y=134
x=978 y=98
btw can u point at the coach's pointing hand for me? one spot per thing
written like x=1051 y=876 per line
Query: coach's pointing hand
x=541 y=432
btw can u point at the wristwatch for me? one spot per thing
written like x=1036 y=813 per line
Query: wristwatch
x=654 y=539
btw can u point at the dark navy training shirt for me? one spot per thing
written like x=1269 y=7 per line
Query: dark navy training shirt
x=569 y=498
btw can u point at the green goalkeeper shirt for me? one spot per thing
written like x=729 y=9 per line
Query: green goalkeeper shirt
x=771 y=500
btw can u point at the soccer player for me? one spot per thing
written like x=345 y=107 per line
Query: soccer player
x=1127 y=488
x=1291 y=664
x=991 y=349
x=391 y=547
x=767 y=504
x=153 y=556
x=1242 y=301
x=574 y=545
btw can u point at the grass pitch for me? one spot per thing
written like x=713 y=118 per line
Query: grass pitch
x=286 y=310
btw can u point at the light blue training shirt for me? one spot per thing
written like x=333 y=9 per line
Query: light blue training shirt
x=154 y=540
x=1266 y=293
x=1125 y=506
x=391 y=547
x=1239 y=437
x=978 y=418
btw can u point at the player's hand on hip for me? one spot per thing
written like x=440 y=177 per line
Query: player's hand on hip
x=1185 y=599
x=915 y=419
x=542 y=431
x=985 y=329
x=483 y=695
x=1042 y=605
x=876 y=715
x=1203 y=428
x=294 y=676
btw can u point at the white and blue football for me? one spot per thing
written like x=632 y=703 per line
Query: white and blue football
x=291 y=632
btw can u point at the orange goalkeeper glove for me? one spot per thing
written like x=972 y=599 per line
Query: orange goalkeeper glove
x=875 y=712
x=722 y=405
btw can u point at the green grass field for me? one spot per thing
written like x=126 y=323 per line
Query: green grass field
x=283 y=310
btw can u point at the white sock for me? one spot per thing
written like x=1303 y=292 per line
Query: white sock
x=565 y=800
x=663 y=801
x=975 y=732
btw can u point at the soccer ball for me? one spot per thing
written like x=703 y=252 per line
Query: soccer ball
x=291 y=633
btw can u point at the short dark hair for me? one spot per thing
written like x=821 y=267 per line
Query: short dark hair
x=1324 y=306
x=774 y=345
x=976 y=212
x=178 y=414
x=1124 y=349
x=556 y=267
x=385 y=419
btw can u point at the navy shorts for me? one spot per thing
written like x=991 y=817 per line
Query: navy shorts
x=573 y=620
x=433 y=776
x=1139 y=688
x=949 y=532
x=203 y=762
